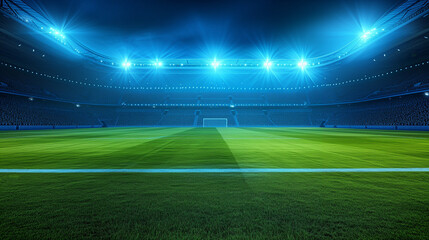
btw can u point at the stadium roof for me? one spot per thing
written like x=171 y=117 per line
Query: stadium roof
x=190 y=32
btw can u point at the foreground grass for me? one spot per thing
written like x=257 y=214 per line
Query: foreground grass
x=214 y=206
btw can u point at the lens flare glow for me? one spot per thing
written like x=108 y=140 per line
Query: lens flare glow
x=367 y=34
x=268 y=64
x=215 y=64
x=158 y=63
x=302 y=64
x=126 y=64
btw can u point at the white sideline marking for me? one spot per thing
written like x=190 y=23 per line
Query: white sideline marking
x=219 y=170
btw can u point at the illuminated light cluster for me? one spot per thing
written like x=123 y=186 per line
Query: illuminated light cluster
x=126 y=64
x=215 y=64
x=157 y=64
x=58 y=35
x=369 y=34
x=426 y=93
x=212 y=105
x=302 y=64
x=268 y=64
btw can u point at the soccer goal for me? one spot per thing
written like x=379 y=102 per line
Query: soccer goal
x=215 y=122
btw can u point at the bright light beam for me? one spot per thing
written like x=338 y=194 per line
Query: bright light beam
x=268 y=64
x=302 y=64
x=158 y=63
x=215 y=64
x=369 y=34
x=126 y=65
x=56 y=33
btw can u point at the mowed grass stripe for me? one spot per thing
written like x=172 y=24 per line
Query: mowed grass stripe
x=213 y=148
x=164 y=148
x=76 y=151
x=178 y=150
x=293 y=153
x=323 y=148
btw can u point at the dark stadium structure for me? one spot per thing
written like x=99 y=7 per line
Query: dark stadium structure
x=384 y=85
x=261 y=110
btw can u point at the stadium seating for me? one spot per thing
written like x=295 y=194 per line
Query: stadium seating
x=407 y=110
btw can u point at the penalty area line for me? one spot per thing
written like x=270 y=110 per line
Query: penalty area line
x=220 y=170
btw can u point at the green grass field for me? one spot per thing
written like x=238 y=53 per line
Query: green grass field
x=378 y=205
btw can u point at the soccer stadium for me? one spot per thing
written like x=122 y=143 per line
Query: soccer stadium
x=215 y=119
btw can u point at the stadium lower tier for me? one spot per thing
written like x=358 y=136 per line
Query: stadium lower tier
x=408 y=110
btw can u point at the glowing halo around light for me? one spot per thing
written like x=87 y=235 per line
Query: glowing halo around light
x=302 y=64
x=268 y=64
x=126 y=65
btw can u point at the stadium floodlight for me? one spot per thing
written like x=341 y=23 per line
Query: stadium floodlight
x=126 y=64
x=268 y=64
x=367 y=34
x=57 y=34
x=302 y=64
x=158 y=63
x=426 y=93
x=215 y=64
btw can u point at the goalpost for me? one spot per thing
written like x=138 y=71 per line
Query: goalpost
x=215 y=122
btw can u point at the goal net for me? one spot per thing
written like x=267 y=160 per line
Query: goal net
x=215 y=122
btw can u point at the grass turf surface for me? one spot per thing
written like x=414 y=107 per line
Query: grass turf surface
x=196 y=205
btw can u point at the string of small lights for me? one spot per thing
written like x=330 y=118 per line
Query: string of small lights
x=97 y=85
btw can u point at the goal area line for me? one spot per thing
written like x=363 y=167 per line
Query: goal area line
x=215 y=122
x=220 y=170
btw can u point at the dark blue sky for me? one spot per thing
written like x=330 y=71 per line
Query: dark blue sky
x=213 y=27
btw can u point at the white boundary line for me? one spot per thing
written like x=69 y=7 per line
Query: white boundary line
x=220 y=170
